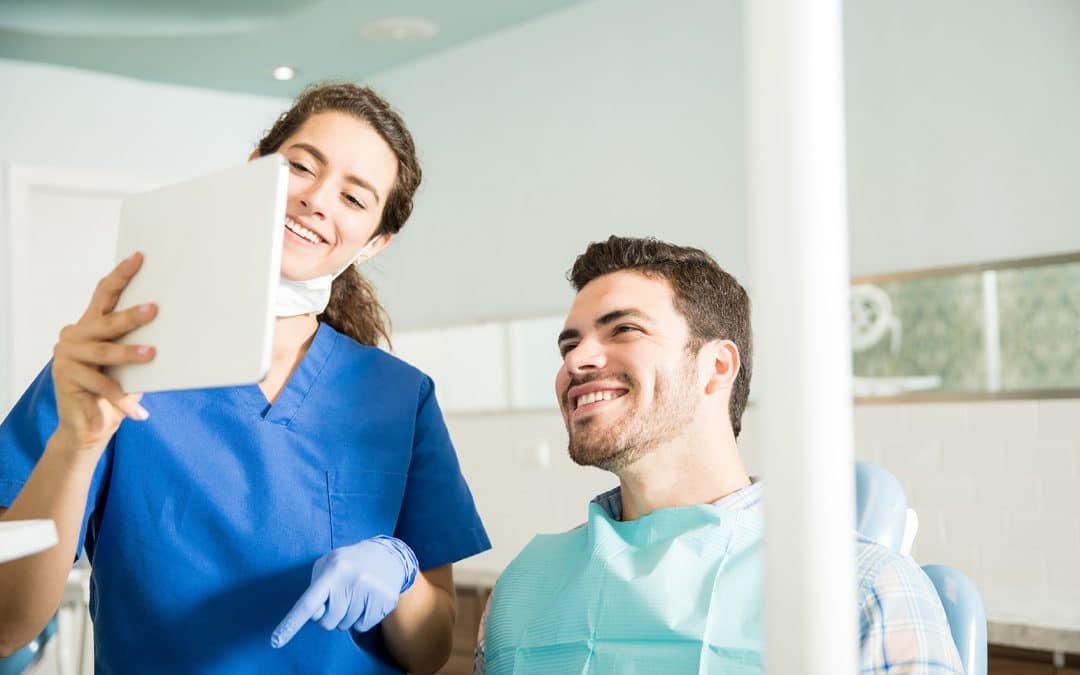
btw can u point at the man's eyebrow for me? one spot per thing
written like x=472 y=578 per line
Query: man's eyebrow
x=615 y=315
x=568 y=334
x=610 y=317
x=321 y=159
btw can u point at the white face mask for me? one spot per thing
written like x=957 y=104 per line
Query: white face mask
x=311 y=296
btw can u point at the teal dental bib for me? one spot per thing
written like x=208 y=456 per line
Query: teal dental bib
x=676 y=591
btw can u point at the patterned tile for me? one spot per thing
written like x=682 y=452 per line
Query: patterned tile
x=940 y=331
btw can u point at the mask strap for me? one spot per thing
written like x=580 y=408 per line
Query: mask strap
x=356 y=258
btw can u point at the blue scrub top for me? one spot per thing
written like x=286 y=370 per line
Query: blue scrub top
x=203 y=523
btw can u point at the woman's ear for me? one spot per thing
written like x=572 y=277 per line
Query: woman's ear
x=373 y=247
x=254 y=155
x=724 y=363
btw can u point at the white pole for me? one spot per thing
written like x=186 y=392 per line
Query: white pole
x=800 y=275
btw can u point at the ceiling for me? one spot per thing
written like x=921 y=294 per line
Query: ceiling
x=234 y=45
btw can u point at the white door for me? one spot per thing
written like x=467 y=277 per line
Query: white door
x=60 y=231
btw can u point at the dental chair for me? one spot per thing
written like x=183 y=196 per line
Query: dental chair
x=76 y=633
x=17 y=663
x=882 y=515
x=881 y=511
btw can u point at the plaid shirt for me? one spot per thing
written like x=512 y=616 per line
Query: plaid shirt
x=902 y=626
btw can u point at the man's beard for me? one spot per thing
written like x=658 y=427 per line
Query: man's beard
x=614 y=444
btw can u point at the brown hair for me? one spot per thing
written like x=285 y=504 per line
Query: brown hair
x=715 y=305
x=354 y=310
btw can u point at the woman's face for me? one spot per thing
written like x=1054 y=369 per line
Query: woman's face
x=341 y=172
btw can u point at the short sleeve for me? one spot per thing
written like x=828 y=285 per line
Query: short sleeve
x=23 y=435
x=903 y=625
x=438 y=518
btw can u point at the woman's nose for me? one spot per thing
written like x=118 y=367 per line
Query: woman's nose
x=313 y=198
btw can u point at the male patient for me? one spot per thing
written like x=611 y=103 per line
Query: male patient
x=666 y=574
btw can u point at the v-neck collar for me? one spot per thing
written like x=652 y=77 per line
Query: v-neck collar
x=300 y=382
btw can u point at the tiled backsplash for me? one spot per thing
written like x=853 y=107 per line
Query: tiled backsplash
x=1040 y=325
x=938 y=330
x=997 y=490
x=996 y=486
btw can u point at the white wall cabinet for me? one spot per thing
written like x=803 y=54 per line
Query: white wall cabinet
x=488 y=367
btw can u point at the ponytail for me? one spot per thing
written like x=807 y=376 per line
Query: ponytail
x=355 y=311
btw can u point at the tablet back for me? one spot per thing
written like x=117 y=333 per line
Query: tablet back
x=212 y=259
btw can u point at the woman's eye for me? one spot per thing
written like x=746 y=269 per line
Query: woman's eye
x=300 y=167
x=354 y=201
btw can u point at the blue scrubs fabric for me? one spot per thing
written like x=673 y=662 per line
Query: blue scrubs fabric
x=203 y=523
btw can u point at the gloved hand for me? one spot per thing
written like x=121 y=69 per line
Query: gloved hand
x=352 y=587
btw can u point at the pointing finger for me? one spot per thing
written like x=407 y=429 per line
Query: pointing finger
x=305 y=609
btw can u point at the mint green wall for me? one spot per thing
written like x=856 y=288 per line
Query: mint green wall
x=62 y=117
x=962 y=131
x=611 y=117
x=627 y=116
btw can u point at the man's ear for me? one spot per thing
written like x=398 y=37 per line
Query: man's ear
x=724 y=363
x=374 y=246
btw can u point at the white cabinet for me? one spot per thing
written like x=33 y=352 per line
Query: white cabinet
x=488 y=367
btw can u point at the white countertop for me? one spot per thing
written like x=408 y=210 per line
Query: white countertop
x=19 y=538
x=475 y=578
x=1028 y=636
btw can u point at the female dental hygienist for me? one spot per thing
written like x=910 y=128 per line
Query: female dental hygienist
x=226 y=526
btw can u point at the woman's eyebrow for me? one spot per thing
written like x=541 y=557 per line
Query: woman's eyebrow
x=321 y=159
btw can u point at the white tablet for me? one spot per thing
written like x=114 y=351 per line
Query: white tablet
x=212 y=259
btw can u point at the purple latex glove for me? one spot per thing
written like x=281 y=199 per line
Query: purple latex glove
x=352 y=587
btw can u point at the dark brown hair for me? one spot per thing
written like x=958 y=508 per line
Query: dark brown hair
x=354 y=310
x=715 y=305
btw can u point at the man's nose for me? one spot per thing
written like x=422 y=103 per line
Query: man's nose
x=588 y=355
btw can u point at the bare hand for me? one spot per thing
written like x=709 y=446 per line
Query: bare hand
x=91 y=404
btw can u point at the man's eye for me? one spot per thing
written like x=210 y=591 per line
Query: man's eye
x=564 y=349
x=355 y=202
x=625 y=328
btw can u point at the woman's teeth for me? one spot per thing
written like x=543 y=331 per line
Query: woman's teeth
x=594 y=397
x=303 y=232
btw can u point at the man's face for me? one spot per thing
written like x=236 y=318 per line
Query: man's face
x=628 y=382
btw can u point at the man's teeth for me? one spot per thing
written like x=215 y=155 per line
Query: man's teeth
x=299 y=229
x=594 y=397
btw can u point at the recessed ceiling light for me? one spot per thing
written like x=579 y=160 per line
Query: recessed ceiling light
x=283 y=73
x=399 y=29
